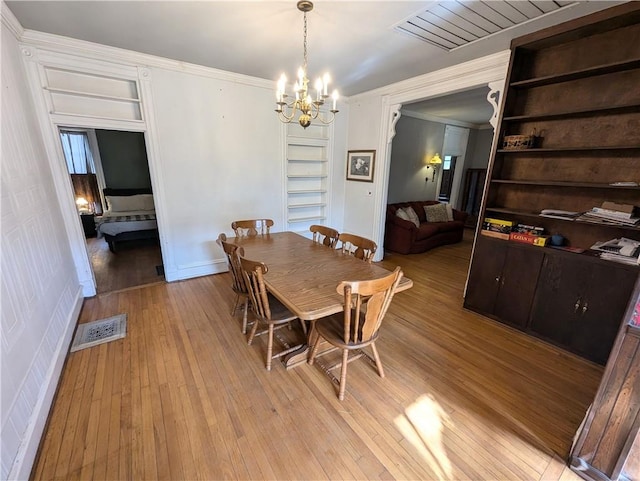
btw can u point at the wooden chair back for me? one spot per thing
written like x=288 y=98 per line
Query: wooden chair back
x=358 y=246
x=251 y=227
x=232 y=251
x=324 y=235
x=253 y=272
x=365 y=305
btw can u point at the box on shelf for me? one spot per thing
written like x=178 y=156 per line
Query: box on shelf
x=536 y=240
x=528 y=229
x=498 y=225
x=497 y=235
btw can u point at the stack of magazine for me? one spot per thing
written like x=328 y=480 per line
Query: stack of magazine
x=626 y=251
x=611 y=214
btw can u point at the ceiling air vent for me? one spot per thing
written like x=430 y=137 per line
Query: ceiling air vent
x=453 y=23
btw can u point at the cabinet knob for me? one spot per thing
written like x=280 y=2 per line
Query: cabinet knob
x=577 y=306
x=497 y=278
x=585 y=307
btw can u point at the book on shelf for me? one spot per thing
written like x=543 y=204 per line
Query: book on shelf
x=559 y=214
x=497 y=235
x=595 y=218
x=536 y=240
x=611 y=213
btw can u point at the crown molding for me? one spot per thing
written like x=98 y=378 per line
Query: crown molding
x=93 y=51
x=10 y=21
x=493 y=65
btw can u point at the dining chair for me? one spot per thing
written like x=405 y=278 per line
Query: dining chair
x=365 y=305
x=232 y=252
x=251 y=227
x=267 y=309
x=358 y=246
x=324 y=235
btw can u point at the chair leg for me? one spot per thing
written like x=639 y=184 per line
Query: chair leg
x=314 y=346
x=235 y=305
x=244 y=315
x=377 y=359
x=343 y=374
x=253 y=332
x=304 y=326
x=269 y=347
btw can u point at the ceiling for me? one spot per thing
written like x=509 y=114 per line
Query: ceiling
x=359 y=42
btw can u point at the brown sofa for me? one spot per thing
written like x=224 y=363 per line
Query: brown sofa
x=404 y=237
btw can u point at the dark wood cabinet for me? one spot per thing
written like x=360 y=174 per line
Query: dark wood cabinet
x=607 y=446
x=575 y=88
x=503 y=280
x=579 y=305
x=88 y=224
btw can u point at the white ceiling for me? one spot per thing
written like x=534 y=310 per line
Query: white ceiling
x=356 y=41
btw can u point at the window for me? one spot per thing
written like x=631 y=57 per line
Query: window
x=77 y=152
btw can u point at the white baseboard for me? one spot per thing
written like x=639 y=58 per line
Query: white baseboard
x=189 y=271
x=23 y=463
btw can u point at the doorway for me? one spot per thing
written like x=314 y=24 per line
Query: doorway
x=99 y=159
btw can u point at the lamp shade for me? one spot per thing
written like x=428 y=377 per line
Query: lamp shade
x=435 y=160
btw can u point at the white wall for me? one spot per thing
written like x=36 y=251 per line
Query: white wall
x=41 y=295
x=221 y=160
x=415 y=138
x=361 y=197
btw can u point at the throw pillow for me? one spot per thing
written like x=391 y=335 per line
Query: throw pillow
x=404 y=214
x=400 y=212
x=412 y=216
x=436 y=213
x=449 y=212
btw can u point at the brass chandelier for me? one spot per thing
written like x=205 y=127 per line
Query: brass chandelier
x=304 y=103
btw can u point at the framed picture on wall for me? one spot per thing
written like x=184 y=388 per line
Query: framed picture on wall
x=360 y=165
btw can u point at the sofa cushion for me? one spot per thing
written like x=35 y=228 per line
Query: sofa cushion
x=436 y=213
x=426 y=230
x=449 y=226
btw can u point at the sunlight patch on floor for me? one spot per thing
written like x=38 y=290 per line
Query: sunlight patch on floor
x=422 y=424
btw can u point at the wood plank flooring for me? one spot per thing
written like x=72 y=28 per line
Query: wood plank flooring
x=133 y=265
x=184 y=397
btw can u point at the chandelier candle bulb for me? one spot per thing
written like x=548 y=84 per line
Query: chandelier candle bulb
x=326 y=79
x=335 y=100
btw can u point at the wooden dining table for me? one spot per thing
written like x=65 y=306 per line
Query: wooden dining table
x=303 y=275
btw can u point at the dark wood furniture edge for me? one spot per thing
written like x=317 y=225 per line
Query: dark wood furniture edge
x=615 y=17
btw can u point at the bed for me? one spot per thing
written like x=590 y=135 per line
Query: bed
x=130 y=215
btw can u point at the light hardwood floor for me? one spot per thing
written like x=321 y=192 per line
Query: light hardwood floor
x=133 y=265
x=184 y=397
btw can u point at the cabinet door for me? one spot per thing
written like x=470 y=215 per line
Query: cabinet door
x=518 y=284
x=484 y=277
x=558 y=297
x=602 y=307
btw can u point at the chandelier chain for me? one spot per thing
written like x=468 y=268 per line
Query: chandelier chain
x=305 y=43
